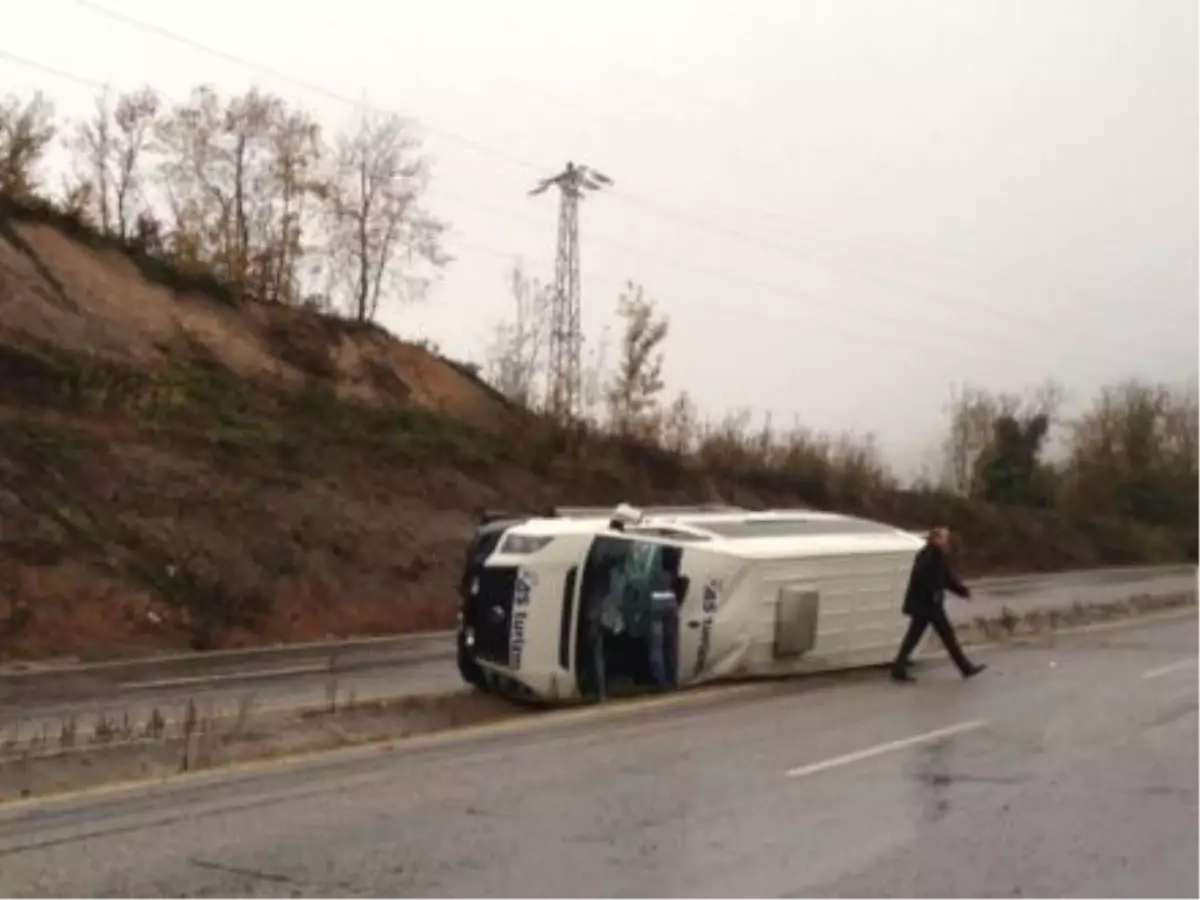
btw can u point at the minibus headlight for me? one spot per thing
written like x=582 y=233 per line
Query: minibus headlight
x=523 y=544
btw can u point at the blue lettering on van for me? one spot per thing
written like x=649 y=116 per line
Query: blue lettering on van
x=711 y=597
x=523 y=590
x=516 y=643
x=705 y=641
x=522 y=595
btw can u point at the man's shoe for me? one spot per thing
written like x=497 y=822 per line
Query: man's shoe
x=974 y=670
x=901 y=676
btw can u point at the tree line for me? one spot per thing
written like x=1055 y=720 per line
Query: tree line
x=1130 y=454
x=627 y=399
x=247 y=188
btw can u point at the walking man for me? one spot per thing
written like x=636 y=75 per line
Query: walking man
x=924 y=604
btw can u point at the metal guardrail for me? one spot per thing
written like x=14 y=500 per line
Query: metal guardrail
x=218 y=660
x=421 y=644
x=1168 y=570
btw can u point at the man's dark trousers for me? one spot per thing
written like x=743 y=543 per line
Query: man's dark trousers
x=935 y=617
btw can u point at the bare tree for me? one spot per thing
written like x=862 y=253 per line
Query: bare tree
x=241 y=177
x=92 y=143
x=1133 y=455
x=294 y=181
x=381 y=239
x=188 y=139
x=108 y=150
x=26 y=131
x=999 y=443
x=217 y=174
x=1181 y=426
x=514 y=360
x=681 y=424
x=134 y=118
x=856 y=468
x=973 y=413
x=726 y=444
x=637 y=383
x=594 y=378
x=249 y=126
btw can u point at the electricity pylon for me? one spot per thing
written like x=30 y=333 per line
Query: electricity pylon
x=563 y=381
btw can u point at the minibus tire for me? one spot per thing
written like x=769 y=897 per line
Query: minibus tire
x=470 y=671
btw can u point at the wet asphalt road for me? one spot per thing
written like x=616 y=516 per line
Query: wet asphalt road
x=1067 y=769
x=418 y=664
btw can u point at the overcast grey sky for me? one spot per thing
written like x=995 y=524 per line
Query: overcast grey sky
x=844 y=206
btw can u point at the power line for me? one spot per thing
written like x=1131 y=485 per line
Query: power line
x=646 y=205
x=791 y=249
x=445 y=134
x=710 y=102
x=691 y=267
x=791 y=252
x=873 y=313
x=809 y=327
x=559 y=99
x=50 y=70
x=729 y=108
x=786 y=292
x=565 y=101
x=797 y=250
x=881 y=280
x=822 y=303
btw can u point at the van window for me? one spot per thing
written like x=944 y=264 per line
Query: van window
x=671 y=534
x=798 y=527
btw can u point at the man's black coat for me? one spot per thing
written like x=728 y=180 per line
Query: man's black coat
x=930 y=579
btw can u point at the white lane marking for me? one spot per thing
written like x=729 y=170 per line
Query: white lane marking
x=1169 y=668
x=880 y=749
x=312 y=669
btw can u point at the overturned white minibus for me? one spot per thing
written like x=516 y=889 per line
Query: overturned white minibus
x=551 y=605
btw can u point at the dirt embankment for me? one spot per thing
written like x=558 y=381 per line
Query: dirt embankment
x=181 y=469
